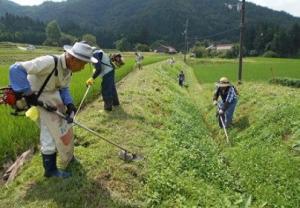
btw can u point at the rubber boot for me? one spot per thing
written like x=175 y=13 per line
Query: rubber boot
x=108 y=105
x=49 y=163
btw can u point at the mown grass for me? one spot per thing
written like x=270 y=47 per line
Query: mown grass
x=17 y=134
x=265 y=127
x=187 y=162
x=254 y=69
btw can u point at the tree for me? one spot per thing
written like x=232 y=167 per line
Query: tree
x=294 y=35
x=199 y=51
x=280 y=43
x=234 y=51
x=91 y=39
x=141 y=47
x=21 y=29
x=67 y=39
x=123 y=44
x=53 y=33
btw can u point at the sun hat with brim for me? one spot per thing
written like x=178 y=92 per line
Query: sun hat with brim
x=223 y=82
x=81 y=51
x=219 y=84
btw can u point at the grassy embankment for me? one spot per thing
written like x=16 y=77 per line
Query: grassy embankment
x=187 y=161
x=266 y=126
x=17 y=134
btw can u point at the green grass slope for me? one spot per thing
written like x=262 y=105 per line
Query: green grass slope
x=187 y=162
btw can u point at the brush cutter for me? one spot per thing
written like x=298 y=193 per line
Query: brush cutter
x=13 y=99
x=223 y=124
x=83 y=99
x=124 y=154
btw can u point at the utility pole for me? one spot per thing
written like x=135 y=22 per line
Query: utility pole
x=186 y=39
x=242 y=27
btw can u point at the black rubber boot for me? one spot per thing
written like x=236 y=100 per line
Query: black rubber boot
x=49 y=163
x=108 y=105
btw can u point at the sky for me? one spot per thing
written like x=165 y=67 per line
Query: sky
x=290 y=6
x=31 y=2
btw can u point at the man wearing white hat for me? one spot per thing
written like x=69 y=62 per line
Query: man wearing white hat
x=228 y=94
x=28 y=78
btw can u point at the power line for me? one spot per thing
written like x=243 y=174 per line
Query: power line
x=216 y=34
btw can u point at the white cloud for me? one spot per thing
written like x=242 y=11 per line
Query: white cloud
x=31 y=2
x=289 y=6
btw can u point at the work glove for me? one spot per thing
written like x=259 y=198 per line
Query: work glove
x=215 y=102
x=221 y=112
x=90 y=82
x=32 y=100
x=71 y=110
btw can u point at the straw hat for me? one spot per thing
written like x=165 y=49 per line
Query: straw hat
x=82 y=51
x=223 y=82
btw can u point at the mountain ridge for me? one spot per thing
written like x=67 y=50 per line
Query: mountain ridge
x=148 y=21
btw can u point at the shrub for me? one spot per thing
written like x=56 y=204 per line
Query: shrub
x=271 y=54
x=199 y=51
x=142 y=47
x=286 y=82
x=233 y=52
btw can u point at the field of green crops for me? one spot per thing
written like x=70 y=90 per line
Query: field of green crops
x=19 y=133
x=254 y=69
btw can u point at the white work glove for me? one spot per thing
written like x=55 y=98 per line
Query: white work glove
x=215 y=102
x=221 y=112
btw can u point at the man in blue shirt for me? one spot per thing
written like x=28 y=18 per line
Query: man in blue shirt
x=227 y=104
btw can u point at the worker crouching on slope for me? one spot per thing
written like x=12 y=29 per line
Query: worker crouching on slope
x=106 y=69
x=181 y=79
x=226 y=106
x=28 y=78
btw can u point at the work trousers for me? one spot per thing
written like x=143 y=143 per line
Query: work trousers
x=108 y=88
x=228 y=114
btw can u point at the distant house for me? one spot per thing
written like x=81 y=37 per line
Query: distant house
x=220 y=47
x=30 y=47
x=165 y=49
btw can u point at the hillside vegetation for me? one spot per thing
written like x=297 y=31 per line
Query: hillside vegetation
x=151 y=20
x=187 y=162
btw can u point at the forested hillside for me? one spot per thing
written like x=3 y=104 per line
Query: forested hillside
x=151 y=20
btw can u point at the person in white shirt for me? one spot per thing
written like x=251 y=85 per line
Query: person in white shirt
x=28 y=77
x=138 y=60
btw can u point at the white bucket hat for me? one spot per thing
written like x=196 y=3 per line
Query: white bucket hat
x=82 y=51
